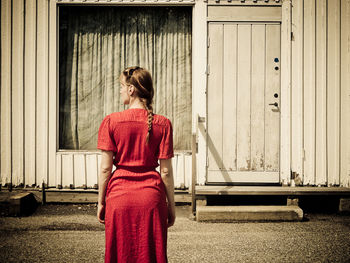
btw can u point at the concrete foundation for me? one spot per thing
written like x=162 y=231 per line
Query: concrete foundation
x=17 y=204
x=344 y=205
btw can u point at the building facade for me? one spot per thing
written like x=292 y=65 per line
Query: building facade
x=264 y=85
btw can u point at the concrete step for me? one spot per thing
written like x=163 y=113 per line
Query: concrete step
x=248 y=213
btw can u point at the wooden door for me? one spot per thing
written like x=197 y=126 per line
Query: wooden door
x=243 y=137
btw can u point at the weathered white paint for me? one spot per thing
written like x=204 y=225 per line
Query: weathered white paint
x=244 y=13
x=345 y=95
x=320 y=30
x=285 y=94
x=273 y=86
x=91 y=169
x=42 y=106
x=229 y=96
x=243 y=98
x=297 y=90
x=17 y=92
x=52 y=93
x=6 y=87
x=333 y=92
x=199 y=84
x=243 y=129
x=214 y=135
x=38 y=74
x=59 y=170
x=67 y=170
x=81 y=169
x=309 y=91
x=129 y=2
x=29 y=93
x=321 y=93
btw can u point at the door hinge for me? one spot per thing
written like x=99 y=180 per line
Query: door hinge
x=208 y=41
x=292 y=36
x=207 y=161
x=207 y=71
x=303 y=154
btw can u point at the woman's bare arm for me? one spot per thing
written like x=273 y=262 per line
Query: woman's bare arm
x=104 y=176
x=166 y=172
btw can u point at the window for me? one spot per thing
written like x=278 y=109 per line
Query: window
x=97 y=43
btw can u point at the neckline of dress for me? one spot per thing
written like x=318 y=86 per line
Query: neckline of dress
x=136 y=109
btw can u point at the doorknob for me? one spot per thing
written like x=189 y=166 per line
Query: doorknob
x=275 y=104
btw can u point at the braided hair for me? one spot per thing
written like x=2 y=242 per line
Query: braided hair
x=141 y=79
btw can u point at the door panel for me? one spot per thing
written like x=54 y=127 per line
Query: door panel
x=272 y=119
x=243 y=97
x=257 y=101
x=243 y=129
x=214 y=96
x=229 y=98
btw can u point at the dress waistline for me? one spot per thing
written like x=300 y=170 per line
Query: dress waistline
x=136 y=169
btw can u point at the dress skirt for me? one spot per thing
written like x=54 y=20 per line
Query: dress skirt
x=136 y=216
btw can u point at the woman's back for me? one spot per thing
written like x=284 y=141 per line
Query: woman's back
x=135 y=202
x=125 y=134
x=136 y=208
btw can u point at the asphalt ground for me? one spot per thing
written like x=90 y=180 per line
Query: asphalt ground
x=71 y=233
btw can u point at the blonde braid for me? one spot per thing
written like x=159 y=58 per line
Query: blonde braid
x=149 y=108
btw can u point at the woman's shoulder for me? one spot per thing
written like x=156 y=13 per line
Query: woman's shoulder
x=161 y=120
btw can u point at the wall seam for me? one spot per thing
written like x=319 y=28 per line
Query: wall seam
x=24 y=89
x=48 y=95
x=11 y=60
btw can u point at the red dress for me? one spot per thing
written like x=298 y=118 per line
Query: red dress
x=136 y=210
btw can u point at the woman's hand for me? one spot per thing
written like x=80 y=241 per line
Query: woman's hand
x=171 y=215
x=101 y=213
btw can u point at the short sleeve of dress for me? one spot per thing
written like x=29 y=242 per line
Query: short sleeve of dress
x=105 y=139
x=166 y=150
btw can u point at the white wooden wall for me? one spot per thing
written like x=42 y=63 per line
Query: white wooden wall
x=29 y=154
x=320 y=94
x=321 y=91
x=80 y=169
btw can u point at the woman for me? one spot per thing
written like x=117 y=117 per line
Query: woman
x=135 y=202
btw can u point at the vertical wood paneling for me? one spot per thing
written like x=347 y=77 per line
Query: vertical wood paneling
x=320 y=65
x=215 y=96
x=52 y=103
x=91 y=170
x=174 y=165
x=285 y=84
x=180 y=171
x=297 y=88
x=59 y=170
x=229 y=97
x=29 y=92
x=345 y=95
x=243 y=97
x=99 y=159
x=79 y=170
x=321 y=93
x=188 y=170
x=17 y=92
x=199 y=84
x=258 y=97
x=42 y=93
x=6 y=43
x=333 y=92
x=67 y=170
x=309 y=91
x=273 y=85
